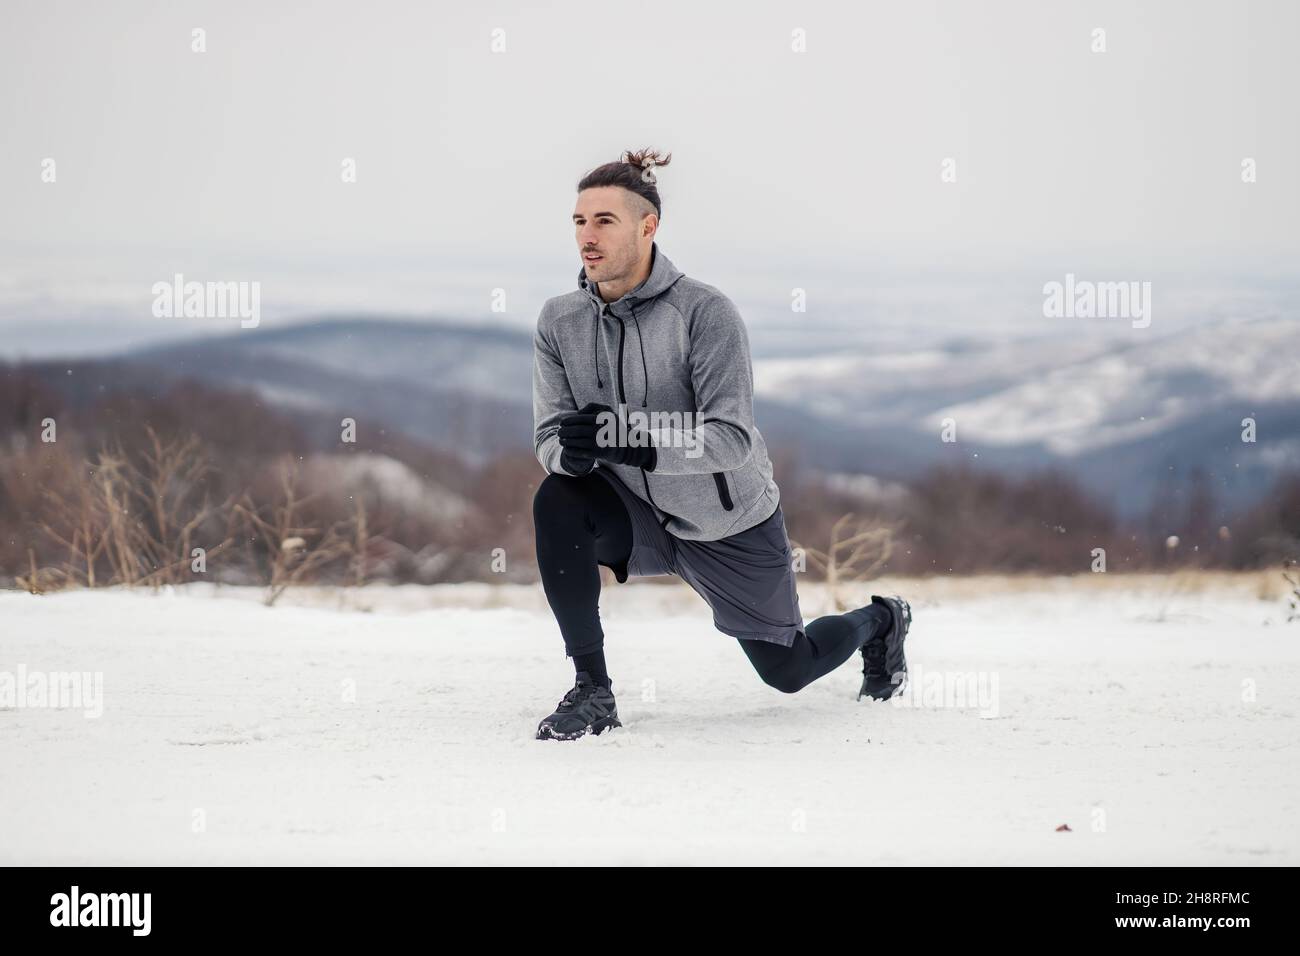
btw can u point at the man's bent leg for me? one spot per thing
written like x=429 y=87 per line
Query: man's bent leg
x=821 y=647
x=580 y=523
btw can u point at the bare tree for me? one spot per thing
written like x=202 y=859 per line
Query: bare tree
x=1293 y=599
x=74 y=523
x=360 y=544
x=856 y=552
x=141 y=519
x=294 y=550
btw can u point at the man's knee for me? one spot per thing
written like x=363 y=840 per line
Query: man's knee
x=787 y=673
x=784 y=668
x=784 y=679
x=557 y=496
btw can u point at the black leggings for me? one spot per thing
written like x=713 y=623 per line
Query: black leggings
x=581 y=523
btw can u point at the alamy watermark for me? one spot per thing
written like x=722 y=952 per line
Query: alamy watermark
x=1084 y=299
x=57 y=690
x=208 y=300
x=128 y=910
x=633 y=430
x=948 y=690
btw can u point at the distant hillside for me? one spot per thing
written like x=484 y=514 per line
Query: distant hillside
x=1126 y=420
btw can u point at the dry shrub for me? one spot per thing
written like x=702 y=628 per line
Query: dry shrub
x=292 y=548
x=129 y=519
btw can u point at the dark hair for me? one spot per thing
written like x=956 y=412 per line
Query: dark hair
x=634 y=172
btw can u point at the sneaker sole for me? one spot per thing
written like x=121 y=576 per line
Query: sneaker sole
x=595 y=727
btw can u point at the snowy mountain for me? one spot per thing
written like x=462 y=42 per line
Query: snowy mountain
x=1125 y=415
x=1121 y=416
x=464 y=388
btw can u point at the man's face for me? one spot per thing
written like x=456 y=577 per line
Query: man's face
x=608 y=233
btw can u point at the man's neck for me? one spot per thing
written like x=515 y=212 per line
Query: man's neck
x=612 y=291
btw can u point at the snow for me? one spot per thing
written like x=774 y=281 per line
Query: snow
x=1120 y=712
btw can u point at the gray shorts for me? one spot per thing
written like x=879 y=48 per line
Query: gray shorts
x=745 y=578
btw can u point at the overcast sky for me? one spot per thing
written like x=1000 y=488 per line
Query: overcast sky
x=829 y=158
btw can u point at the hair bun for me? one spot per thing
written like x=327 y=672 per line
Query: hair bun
x=646 y=160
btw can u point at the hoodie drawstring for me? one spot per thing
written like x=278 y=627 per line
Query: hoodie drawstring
x=595 y=348
x=640 y=341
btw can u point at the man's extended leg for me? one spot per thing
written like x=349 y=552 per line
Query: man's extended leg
x=580 y=523
x=821 y=647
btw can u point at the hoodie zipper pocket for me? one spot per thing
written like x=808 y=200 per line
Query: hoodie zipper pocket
x=724 y=494
x=622 y=335
x=645 y=480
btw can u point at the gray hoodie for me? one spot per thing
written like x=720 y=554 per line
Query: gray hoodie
x=671 y=355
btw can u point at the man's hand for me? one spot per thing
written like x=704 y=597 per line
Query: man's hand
x=576 y=464
x=579 y=433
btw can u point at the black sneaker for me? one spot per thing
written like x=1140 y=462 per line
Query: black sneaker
x=587 y=709
x=884 y=668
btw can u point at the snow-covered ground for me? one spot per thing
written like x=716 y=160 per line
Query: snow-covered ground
x=1157 y=718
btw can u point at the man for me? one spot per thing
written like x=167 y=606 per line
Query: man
x=644 y=421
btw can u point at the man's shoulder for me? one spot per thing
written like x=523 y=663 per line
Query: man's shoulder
x=695 y=299
x=560 y=307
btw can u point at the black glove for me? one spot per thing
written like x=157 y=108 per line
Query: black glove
x=576 y=464
x=578 y=436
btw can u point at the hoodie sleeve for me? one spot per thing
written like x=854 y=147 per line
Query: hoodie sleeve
x=552 y=399
x=722 y=376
